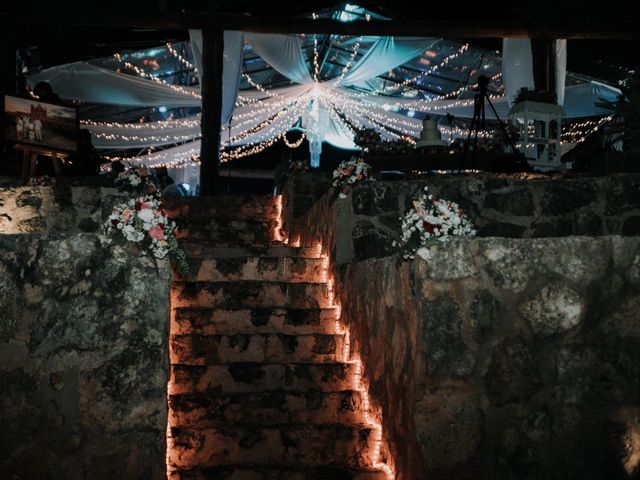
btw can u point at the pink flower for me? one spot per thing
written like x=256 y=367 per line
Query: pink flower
x=156 y=232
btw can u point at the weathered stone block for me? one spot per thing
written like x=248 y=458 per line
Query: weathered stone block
x=446 y=350
x=518 y=202
x=555 y=308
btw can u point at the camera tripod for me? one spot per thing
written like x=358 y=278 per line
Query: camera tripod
x=479 y=120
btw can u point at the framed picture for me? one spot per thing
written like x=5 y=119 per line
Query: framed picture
x=32 y=122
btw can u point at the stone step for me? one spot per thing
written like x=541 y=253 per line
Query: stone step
x=267 y=408
x=249 y=294
x=199 y=249
x=230 y=207
x=208 y=321
x=271 y=269
x=230 y=232
x=282 y=445
x=265 y=473
x=268 y=348
x=263 y=377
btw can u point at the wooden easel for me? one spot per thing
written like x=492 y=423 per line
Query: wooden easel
x=30 y=157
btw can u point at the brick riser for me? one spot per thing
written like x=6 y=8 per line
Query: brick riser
x=260 y=388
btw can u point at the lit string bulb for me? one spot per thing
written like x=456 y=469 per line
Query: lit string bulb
x=154 y=78
x=431 y=70
x=180 y=58
x=352 y=57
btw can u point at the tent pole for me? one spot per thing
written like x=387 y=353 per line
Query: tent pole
x=211 y=90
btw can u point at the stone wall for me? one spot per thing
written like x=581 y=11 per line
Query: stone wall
x=83 y=359
x=499 y=358
x=504 y=358
x=499 y=205
x=57 y=208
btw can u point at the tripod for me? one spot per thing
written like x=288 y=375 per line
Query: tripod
x=479 y=119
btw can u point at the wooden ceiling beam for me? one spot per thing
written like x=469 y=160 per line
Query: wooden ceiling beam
x=481 y=28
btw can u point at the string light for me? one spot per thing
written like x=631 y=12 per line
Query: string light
x=294 y=144
x=352 y=57
x=180 y=58
x=154 y=78
x=432 y=70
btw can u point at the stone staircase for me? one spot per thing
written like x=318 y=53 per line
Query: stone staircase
x=261 y=387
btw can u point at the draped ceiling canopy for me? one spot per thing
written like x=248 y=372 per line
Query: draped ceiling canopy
x=324 y=85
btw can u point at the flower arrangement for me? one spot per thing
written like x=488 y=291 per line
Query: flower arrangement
x=430 y=221
x=142 y=220
x=139 y=181
x=349 y=175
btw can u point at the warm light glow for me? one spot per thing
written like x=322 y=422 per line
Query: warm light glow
x=358 y=381
x=278 y=234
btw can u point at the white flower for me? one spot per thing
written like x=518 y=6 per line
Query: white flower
x=146 y=215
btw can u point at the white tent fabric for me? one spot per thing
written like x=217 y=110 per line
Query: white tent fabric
x=280 y=109
x=579 y=102
x=517 y=67
x=88 y=83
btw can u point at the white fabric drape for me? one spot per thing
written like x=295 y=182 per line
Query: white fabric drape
x=517 y=66
x=88 y=83
x=561 y=69
x=189 y=174
x=386 y=54
x=140 y=135
x=283 y=53
x=231 y=67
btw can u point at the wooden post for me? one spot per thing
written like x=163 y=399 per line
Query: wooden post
x=543 y=51
x=211 y=89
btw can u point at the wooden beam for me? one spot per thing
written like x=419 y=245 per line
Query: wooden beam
x=449 y=28
x=211 y=90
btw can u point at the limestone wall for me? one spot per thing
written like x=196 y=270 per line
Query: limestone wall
x=83 y=360
x=498 y=358
x=504 y=358
x=499 y=205
x=60 y=208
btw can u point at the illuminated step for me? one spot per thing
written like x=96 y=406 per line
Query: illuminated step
x=199 y=249
x=230 y=232
x=283 y=445
x=274 y=269
x=223 y=349
x=264 y=473
x=250 y=294
x=209 y=321
x=267 y=408
x=261 y=377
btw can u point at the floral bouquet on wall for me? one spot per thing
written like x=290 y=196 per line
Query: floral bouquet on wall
x=140 y=181
x=349 y=175
x=430 y=221
x=142 y=220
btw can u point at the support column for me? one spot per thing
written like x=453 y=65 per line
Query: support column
x=543 y=50
x=8 y=80
x=211 y=89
